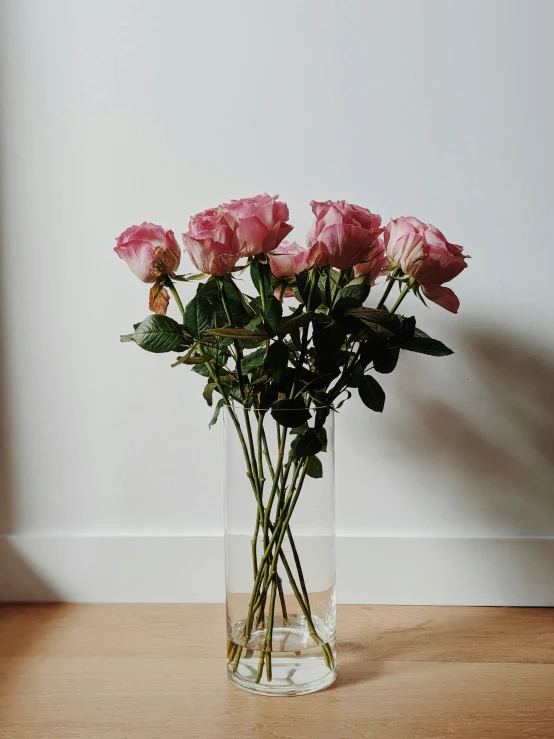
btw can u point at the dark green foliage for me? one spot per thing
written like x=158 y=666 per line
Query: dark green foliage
x=158 y=334
x=314 y=467
x=288 y=363
x=277 y=360
x=424 y=344
x=306 y=444
x=290 y=413
x=372 y=394
x=198 y=317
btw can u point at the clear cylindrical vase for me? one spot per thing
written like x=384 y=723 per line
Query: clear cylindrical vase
x=280 y=550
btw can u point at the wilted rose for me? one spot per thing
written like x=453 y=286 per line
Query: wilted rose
x=149 y=250
x=422 y=252
x=211 y=243
x=289 y=259
x=259 y=223
x=342 y=235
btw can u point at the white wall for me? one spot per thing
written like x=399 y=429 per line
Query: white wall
x=118 y=111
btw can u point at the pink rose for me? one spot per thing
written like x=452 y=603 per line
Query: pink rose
x=259 y=223
x=375 y=266
x=422 y=252
x=289 y=259
x=211 y=243
x=342 y=234
x=149 y=250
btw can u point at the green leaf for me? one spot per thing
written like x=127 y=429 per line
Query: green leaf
x=375 y=317
x=314 y=468
x=306 y=444
x=288 y=325
x=424 y=344
x=277 y=360
x=198 y=317
x=385 y=359
x=253 y=323
x=323 y=438
x=290 y=413
x=304 y=287
x=372 y=394
x=201 y=369
x=329 y=336
x=273 y=312
x=235 y=302
x=324 y=285
x=262 y=278
x=159 y=334
x=218 y=407
x=353 y=294
x=253 y=360
x=208 y=392
x=357 y=376
x=268 y=395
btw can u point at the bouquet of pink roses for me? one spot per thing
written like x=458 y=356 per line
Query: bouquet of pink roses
x=293 y=351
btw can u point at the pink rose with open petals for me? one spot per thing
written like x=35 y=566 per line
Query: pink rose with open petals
x=149 y=250
x=211 y=243
x=375 y=266
x=422 y=252
x=259 y=223
x=289 y=259
x=342 y=234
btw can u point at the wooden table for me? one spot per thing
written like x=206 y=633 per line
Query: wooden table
x=157 y=671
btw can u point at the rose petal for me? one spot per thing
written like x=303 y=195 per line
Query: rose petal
x=443 y=296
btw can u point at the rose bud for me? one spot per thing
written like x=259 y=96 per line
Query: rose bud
x=375 y=266
x=259 y=223
x=423 y=253
x=149 y=250
x=211 y=243
x=342 y=235
x=289 y=259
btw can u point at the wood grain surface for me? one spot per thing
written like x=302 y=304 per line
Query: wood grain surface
x=157 y=672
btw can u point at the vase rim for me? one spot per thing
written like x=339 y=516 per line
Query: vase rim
x=238 y=406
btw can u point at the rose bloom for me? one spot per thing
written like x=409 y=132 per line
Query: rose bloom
x=375 y=266
x=342 y=235
x=289 y=259
x=149 y=250
x=211 y=243
x=423 y=253
x=259 y=223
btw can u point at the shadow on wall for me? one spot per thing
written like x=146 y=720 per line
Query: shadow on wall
x=19 y=635
x=18 y=579
x=504 y=445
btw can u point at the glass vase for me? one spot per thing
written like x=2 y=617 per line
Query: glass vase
x=280 y=552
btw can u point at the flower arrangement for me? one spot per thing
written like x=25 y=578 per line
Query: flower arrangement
x=294 y=350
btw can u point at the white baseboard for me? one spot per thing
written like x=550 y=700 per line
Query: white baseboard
x=395 y=570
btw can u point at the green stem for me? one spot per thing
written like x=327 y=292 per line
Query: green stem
x=390 y=284
x=173 y=291
x=336 y=288
x=406 y=289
